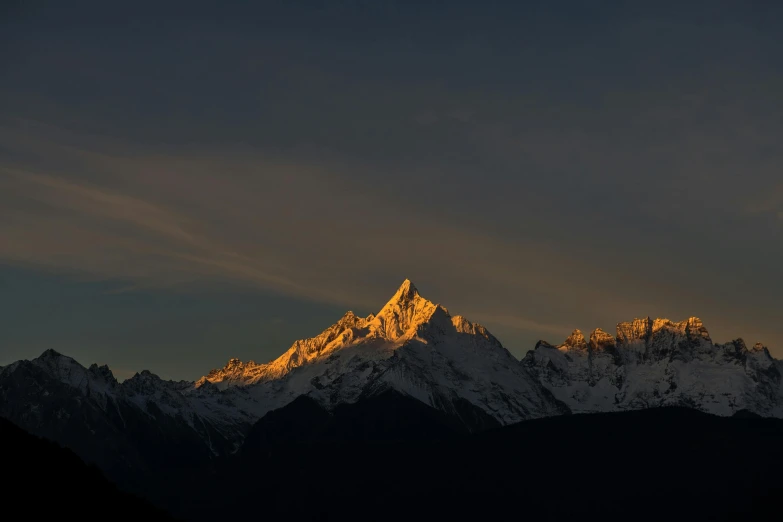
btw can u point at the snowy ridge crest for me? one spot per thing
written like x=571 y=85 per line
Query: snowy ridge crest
x=658 y=362
x=398 y=320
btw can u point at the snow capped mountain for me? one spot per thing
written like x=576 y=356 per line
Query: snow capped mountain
x=413 y=346
x=404 y=312
x=658 y=363
x=140 y=422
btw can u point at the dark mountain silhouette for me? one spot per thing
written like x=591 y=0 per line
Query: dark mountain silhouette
x=387 y=417
x=45 y=481
x=390 y=457
x=387 y=459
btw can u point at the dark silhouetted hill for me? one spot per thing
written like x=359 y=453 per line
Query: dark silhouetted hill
x=43 y=481
x=388 y=459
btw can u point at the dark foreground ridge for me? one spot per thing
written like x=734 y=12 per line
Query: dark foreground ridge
x=390 y=458
x=47 y=482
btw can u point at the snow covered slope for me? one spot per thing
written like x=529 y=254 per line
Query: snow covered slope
x=137 y=423
x=656 y=363
x=413 y=346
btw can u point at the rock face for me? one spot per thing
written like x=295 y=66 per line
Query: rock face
x=659 y=363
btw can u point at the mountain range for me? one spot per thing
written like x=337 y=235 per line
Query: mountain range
x=413 y=347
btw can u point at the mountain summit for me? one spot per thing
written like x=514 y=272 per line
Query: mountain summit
x=405 y=292
x=411 y=345
x=406 y=310
x=401 y=315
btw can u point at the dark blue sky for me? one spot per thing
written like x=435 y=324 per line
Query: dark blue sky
x=181 y=183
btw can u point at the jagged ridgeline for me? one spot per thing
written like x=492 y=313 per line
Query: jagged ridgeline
x=413 y=347
x=659 y=363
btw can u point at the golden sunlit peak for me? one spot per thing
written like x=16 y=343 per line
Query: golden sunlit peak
x=406 y=293
x=407 y=288
x=576 y=340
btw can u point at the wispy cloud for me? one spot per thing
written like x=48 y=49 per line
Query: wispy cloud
x=93 y=229
x=313 y=226
x=299 y=228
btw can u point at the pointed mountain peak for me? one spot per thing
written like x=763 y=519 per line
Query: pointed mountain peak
x=406 y=291
x=739 y=344
x=600 y=340
x=50 y=354
x=406 y=296
x=694 y=327
x=69 y=371
x=543 y=344
x=576 y=340
x=234 y=363
x=406 y=309
x=205 y=384
x=54 y=360
x=349 y=320
x=760 y=348
x=103 y=372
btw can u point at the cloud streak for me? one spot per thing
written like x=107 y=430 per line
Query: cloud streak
x=102 y=232
x=309 y=224
x=282 y=226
